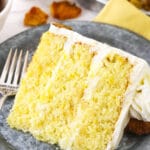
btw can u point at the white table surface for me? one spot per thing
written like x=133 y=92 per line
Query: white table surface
x=14 y=22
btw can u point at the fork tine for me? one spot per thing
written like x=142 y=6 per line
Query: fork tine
x=12 y=68
x=18 y=68
x=6 y=67
x=25 y=64
x=11 y=87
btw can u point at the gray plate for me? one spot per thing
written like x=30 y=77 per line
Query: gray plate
x=96 y=5
x=137 y=45
x=93 y=5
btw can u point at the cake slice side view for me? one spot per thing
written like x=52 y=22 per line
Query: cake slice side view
x=82 y=92
x=47 y=54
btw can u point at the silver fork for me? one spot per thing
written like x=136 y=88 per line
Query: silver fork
x=12 y=72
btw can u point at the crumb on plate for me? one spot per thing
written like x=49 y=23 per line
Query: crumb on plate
x=64 y=10
x=35 y=16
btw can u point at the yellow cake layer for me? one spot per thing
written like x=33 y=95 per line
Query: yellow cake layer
x=39 y=71
x=100 y=112
x=62 y=95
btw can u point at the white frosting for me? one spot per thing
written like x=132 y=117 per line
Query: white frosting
x=75 y=36
x=140 y=107
x=95 y=65
x=136 y=104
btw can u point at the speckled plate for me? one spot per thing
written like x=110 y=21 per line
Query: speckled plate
x=129 y=41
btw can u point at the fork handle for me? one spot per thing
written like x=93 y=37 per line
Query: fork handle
x=2 y=100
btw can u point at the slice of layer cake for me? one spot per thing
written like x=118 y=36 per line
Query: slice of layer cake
x=81 y=92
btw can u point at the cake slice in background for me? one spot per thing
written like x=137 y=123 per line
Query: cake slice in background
x=80 y=92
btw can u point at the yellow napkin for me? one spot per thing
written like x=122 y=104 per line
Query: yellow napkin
x=124 y=14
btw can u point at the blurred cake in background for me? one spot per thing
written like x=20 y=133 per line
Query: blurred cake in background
x=142 y=4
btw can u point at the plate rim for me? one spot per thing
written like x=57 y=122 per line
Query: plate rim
x=84 y=22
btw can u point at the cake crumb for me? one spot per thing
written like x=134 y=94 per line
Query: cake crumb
x=64 y=10
x=35 y=16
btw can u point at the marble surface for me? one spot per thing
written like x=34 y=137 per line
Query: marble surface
x=14 y=22
x=110 y=35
